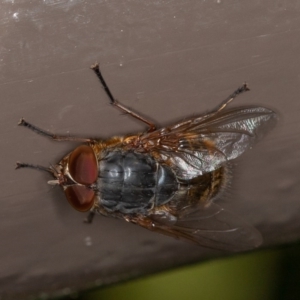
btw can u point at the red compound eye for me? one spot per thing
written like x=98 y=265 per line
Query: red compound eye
x=80 y=197
x=83 y=165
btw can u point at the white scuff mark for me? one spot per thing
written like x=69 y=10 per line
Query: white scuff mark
x=263 y=35
x=121 y=63
x=63 y=4
x=140 y=95
x=64 y=110
x=88 y=241
x=251 y=65
x=16 y=16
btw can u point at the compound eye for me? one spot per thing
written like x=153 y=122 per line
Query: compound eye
x=80 y=197
x=83 y=165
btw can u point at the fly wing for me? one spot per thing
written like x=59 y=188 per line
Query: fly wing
x=210 y=227
x=202 y=144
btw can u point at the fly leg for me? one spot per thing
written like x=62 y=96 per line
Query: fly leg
x=52 y=136
x=90 y=217
x=115 y=103
x=242 y=89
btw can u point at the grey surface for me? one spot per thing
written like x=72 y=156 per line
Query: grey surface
x=168 y=60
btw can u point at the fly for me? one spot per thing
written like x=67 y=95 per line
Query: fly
x=165 y=179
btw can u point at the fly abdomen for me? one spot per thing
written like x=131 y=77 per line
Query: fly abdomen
x=132 y=182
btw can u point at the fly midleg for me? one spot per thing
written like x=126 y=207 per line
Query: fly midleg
x=114 y=102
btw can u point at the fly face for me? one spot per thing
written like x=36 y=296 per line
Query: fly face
x=166 y=180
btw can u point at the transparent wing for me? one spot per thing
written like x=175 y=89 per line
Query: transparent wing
x=210 y=227
x=204 y=143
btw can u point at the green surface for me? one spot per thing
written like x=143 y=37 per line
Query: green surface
x=252 y=276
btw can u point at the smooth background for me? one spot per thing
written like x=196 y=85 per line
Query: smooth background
x=168 y=60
